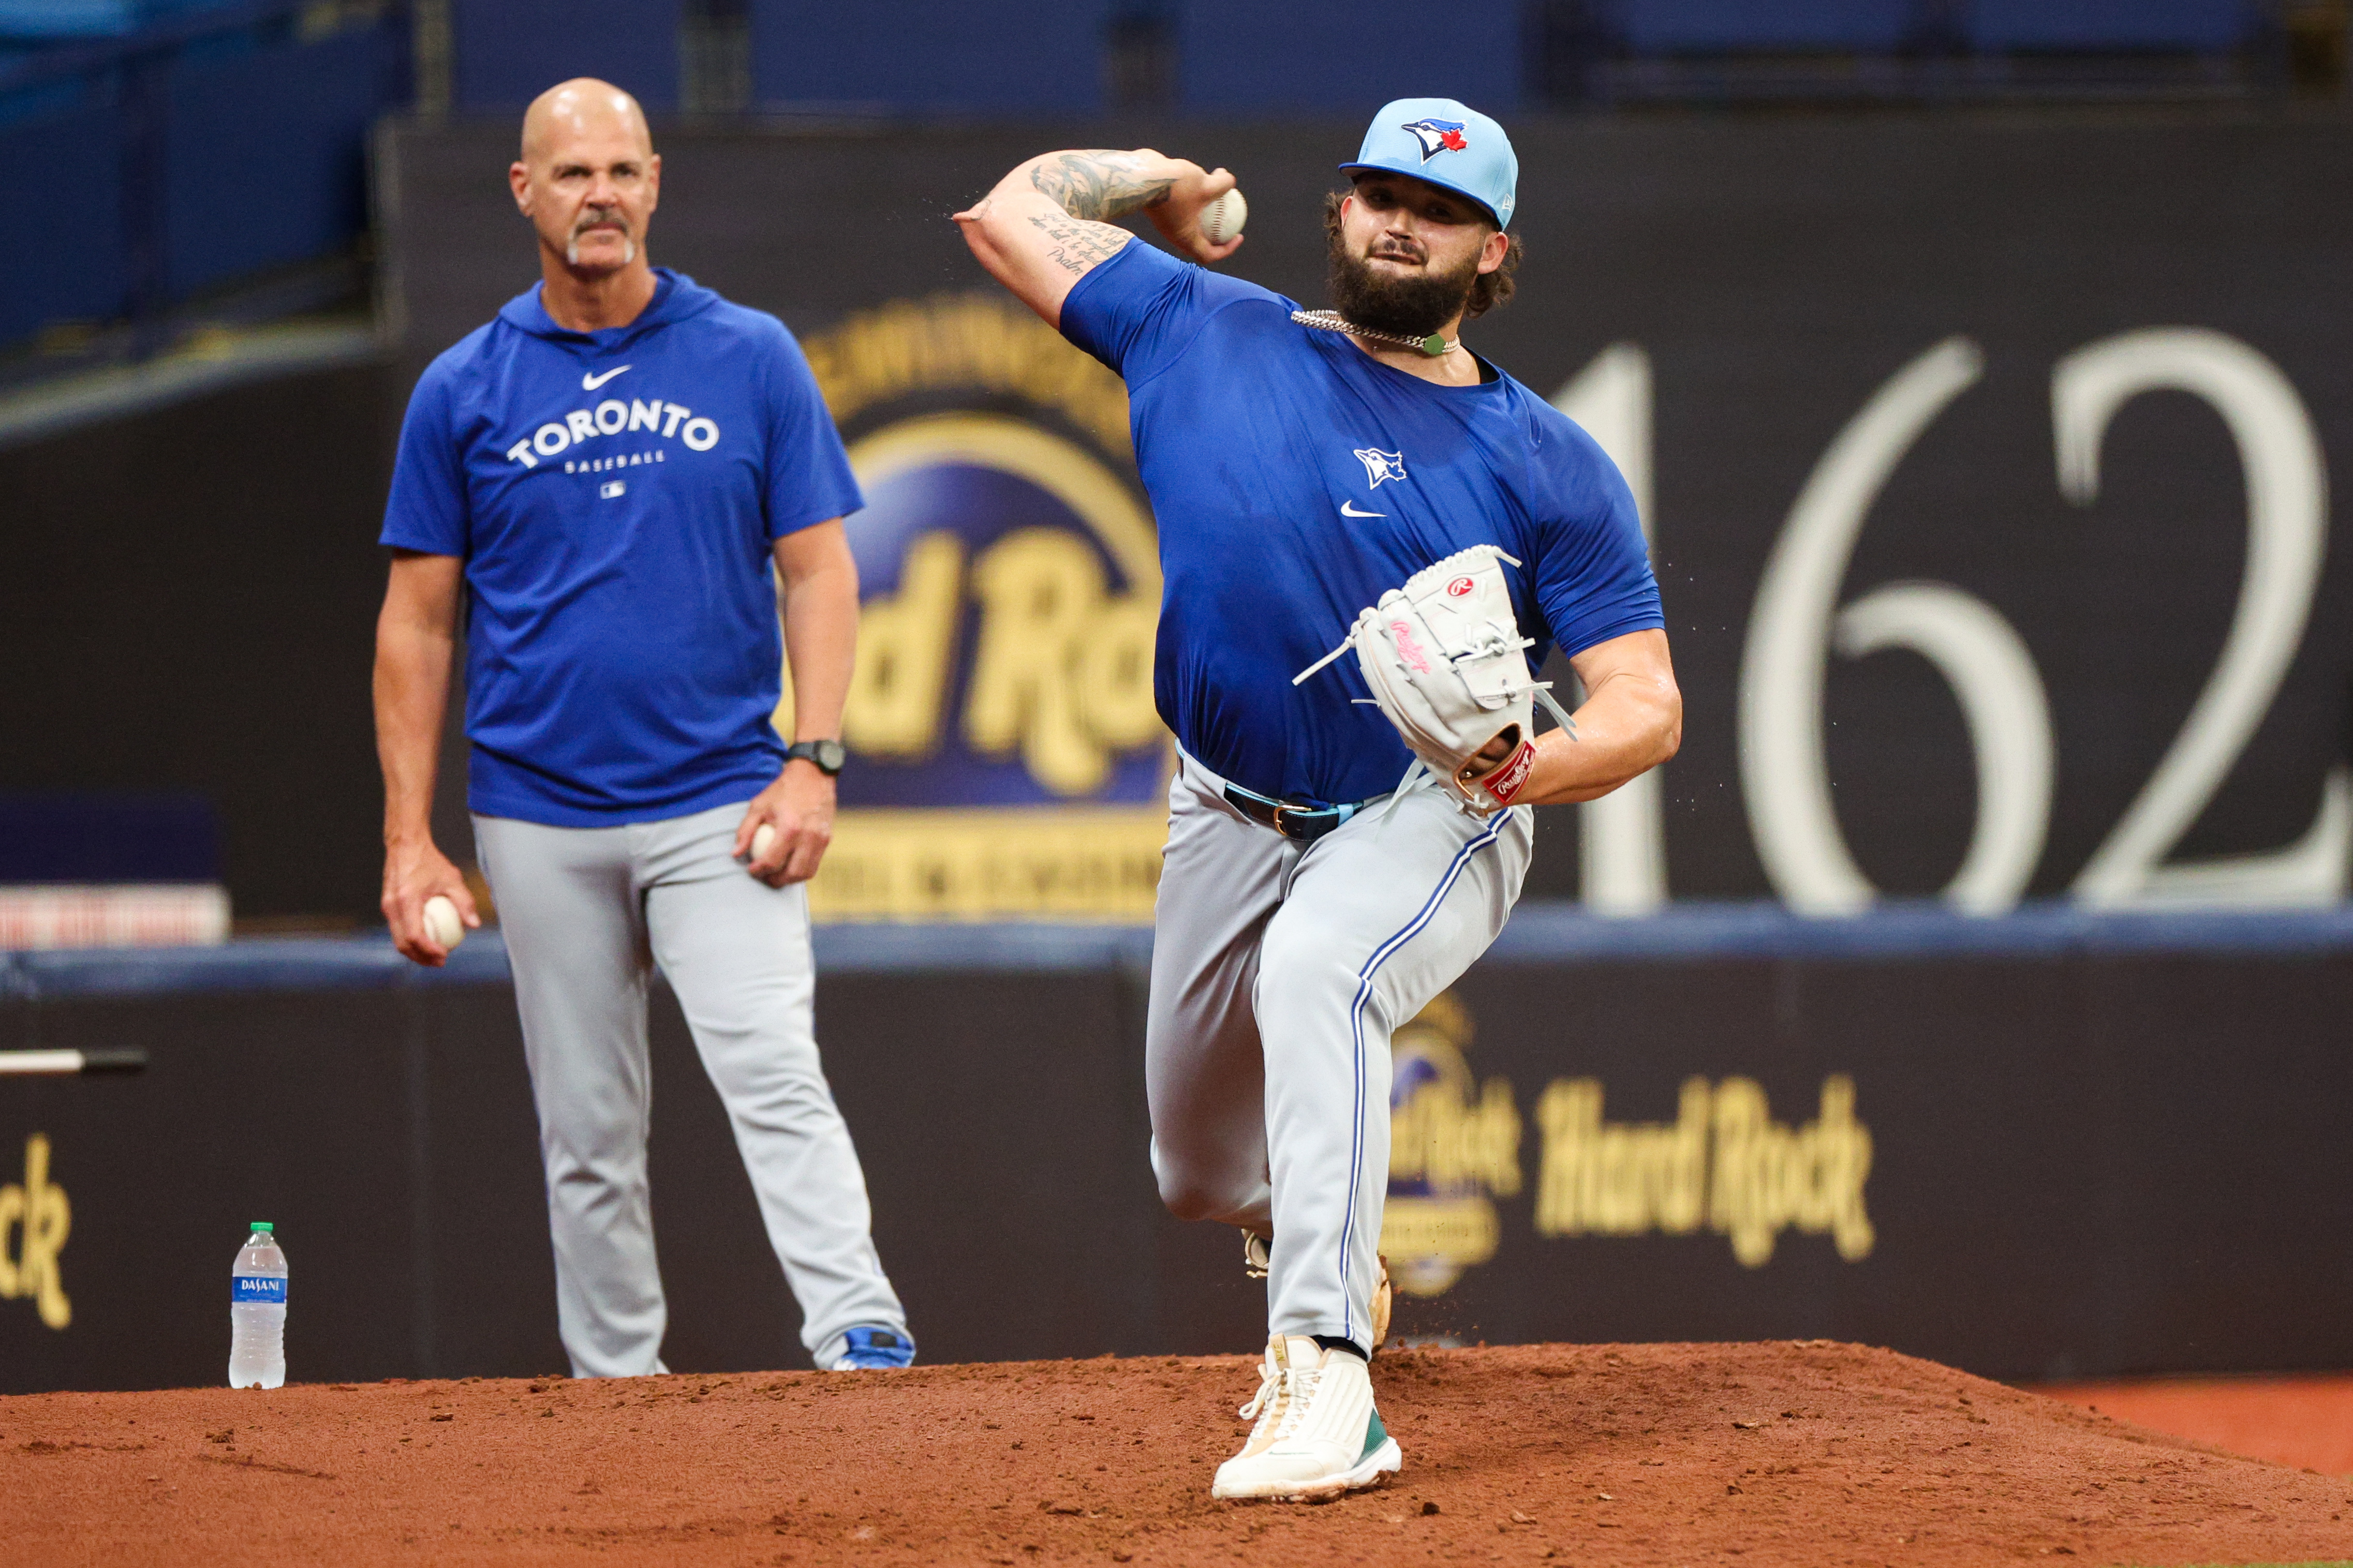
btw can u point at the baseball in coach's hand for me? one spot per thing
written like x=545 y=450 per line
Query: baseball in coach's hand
x=442 y=924
x=1223 y=218
x=764 y=838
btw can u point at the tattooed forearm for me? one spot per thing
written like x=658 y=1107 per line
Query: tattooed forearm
x=1097 y=183
x=1078 y=245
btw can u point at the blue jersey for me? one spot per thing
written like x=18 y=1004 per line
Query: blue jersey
x=1296 y=478
x=615 y=496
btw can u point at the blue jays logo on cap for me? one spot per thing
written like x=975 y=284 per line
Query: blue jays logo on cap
x=1437 y=136
x=1406 y=136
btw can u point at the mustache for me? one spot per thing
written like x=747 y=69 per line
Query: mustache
x=1397 y=247
x=596 y=221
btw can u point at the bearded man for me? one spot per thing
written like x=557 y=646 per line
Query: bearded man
x=1315 y=892
x=621 y=548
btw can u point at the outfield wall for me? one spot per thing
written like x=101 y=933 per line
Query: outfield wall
x=1984 y=458
x=2052 y=1145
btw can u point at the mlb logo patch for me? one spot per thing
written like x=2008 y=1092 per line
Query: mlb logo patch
x=1437 y=136
x=611 y=488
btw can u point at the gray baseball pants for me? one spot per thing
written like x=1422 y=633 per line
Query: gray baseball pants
x=1278 y=971
x=586 y=912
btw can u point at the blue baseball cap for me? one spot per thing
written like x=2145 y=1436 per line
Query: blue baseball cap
x=1446 y=143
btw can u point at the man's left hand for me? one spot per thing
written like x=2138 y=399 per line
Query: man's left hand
x=800 y=806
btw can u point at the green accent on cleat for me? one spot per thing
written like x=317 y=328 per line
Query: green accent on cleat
x=1374 y=1435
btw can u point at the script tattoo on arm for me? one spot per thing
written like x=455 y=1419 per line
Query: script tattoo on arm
x=1078 y=245
x=1097 y=183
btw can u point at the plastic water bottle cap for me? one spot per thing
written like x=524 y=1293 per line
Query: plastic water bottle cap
x=262 y=1224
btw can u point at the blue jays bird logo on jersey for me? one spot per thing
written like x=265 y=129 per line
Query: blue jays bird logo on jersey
x=1437 y=136
x=1380 y=465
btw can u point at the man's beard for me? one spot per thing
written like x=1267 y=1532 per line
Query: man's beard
x=1411 y=306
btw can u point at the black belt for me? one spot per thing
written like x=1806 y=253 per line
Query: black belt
x=1302 y=822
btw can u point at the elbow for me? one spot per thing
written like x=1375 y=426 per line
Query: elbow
x=1670 y=738
x=976 y=223
x=986 y=227
x=976 y=239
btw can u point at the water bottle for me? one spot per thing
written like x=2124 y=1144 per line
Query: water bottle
x=257 y=1312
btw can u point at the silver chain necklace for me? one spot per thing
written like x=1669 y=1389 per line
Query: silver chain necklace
x=1333 y=321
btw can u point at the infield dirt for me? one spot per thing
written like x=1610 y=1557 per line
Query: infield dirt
x=1759 y=1455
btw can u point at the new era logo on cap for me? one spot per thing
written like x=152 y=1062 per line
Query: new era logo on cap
x=1437 y=136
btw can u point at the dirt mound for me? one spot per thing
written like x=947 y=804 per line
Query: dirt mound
x=1804 y=1453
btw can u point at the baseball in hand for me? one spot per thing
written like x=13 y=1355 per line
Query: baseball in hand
x=764 y=838
x=1223 y=218
x=442 y=924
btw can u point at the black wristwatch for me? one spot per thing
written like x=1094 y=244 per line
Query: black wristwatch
x=828 y=755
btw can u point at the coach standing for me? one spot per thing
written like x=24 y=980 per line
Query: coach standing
x=609 y=467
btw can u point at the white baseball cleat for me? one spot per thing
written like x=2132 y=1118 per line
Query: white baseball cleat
x=1317 y=1434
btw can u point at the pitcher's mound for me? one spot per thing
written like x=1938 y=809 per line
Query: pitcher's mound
x=1761 y=1455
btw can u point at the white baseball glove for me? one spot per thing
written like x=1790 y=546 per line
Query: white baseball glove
x=1443 y=657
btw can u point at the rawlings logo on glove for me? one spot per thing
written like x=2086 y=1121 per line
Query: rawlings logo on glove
x=1443 y=657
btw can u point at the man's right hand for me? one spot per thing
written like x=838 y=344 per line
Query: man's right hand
x=1047 y=223
x=415 y=871
x=1177 y=215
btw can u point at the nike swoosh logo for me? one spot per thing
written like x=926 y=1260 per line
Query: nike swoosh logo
x=1348 y=509
x=591 y=383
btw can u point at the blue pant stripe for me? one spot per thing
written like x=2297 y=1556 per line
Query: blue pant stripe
x=1381 y=955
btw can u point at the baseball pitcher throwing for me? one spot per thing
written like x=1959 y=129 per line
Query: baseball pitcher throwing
x=1368 y=535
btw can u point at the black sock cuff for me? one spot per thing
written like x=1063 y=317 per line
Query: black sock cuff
x=1335 y=1342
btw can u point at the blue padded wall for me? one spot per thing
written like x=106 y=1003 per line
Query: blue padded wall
x=507 y=52
x=72 y=179
x=1043 y=58
x=105 y=837
x=1728 y=27
x=291 y=126
x=1323 y=57
x=2104 y=24
x=1309 y=57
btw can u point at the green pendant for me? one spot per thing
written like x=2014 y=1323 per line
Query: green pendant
x=1433 y=345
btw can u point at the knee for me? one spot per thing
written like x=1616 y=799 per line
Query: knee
x=1190 y=1193
x=1300 y=972
x=1194 y=1200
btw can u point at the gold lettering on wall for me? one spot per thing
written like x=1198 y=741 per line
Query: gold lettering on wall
x=1723 y=1162
x=1055 y=863
x=1455 y=1148
x=1438 y=1137
x=34 y=1221
x=1047 y=626
x=980 y=341
x=905 y=643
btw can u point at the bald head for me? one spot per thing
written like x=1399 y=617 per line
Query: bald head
x=588 y=180
x=582 y=108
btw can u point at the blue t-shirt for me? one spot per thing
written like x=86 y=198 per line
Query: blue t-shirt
x=615 y=496
x=1253 y=434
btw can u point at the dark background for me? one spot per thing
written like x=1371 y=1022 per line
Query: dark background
x=193 y=594
x=2093 y=1157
